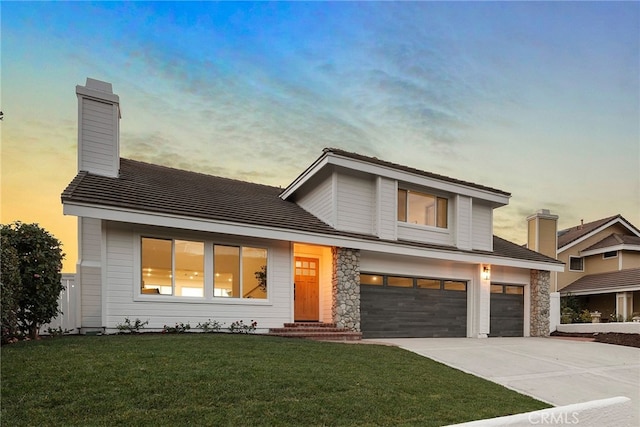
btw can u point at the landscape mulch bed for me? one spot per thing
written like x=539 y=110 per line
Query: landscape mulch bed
x=630 y=340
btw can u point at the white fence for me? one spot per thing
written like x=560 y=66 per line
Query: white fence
x=68 y=305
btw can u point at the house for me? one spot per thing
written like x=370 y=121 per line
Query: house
x=373 y=246
x=603 y=260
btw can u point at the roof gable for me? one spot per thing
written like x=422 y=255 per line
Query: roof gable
x=573 y=235
x=373 y=165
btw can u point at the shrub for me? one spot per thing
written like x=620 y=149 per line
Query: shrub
x=9 y=287
x=238 y=327
x=180 y=328
x=39 y=262
x=131 y=328
x=210 y=326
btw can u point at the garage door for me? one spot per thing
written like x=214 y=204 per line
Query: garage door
x=392 y=306
x=507 y=311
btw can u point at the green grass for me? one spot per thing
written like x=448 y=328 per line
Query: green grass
x=225 y=379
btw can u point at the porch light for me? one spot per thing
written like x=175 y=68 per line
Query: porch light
x=486 y=273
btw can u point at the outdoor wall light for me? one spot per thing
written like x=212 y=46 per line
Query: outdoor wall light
x=486 y=273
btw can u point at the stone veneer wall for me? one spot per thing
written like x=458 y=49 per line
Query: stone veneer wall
x=346 y=288
x=540 y=281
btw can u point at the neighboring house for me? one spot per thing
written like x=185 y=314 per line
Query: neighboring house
x=370 y=245
x=602 y=259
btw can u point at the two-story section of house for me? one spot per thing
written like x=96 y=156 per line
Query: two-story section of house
x=603 y=266
x=372 y=246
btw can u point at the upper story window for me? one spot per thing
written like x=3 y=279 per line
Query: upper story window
x=422 y=209
x=576 y=263
x=610 y=254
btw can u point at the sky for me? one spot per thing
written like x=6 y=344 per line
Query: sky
x=540 y=99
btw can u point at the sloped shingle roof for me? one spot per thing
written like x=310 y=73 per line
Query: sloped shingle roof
x=375 y=160
x=153 y=188
x=613 y=281
x=569 y=235
x=614 y=240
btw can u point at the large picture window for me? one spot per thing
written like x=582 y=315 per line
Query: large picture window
x=176 y=267
x=172 y=267
x=422 y=209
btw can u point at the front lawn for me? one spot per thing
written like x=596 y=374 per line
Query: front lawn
x=228 y=379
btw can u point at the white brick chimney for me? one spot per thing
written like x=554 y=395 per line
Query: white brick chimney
x=98 y=128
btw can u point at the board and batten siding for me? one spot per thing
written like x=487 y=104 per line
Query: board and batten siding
x=482 y=227
x=355 y=203
x=98 y=149
x=89 y=270
x=123 y=280
x=317 y=199
x=387 y=200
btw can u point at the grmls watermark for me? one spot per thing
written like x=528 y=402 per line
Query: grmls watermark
x=560 y=418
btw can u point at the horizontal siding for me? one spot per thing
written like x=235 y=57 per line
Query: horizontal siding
x=90 y=238
x=482 y=230
x=356 y=203
x=98 y=129
x=387 y=208
x=427 y=235
x=122 y=277
x=317 y=199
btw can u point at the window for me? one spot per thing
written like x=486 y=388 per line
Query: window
x=610 y=254
x=176 y=267
x=496 y=289
x=400 y=282
x=514 y=290
x=412 y=282
x=422 y=209
x=172 y=267
x=228 y=261
x=453 y=285
x=371 y=279
x=428 y=283
x=576 y=263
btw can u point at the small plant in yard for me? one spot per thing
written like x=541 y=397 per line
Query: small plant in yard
x=239 y=327
x=57 y=332
x=131 y=328
x=179 y=328
x=210 y=326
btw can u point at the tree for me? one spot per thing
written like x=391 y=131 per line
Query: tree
x=9 y=287
x=39 y=262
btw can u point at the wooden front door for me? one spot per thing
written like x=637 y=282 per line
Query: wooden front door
x=306 y=290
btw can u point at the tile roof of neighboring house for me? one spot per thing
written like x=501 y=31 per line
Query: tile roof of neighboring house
x=153 y=188
x=614 y=240
x=403 y=168
x=613 y=281
x=572 y=234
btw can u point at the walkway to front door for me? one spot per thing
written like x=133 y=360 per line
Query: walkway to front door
x=306 y=290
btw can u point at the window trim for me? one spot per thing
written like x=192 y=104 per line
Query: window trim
x=581 y=262
x=437 y=199
x=209 y=242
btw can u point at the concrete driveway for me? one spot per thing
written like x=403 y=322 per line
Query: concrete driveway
x=556 y=371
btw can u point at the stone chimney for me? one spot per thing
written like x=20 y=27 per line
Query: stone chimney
x=98 y=128
x=542 y=233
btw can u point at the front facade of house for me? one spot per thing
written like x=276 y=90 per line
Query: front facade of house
x=603 y=266
x=370 y=245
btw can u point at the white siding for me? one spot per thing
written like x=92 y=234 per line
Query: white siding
x=482 y=227
x=418 y=233
x=89 y=271
x=123 y=280
x=463 y=206
x=387 y=199
x=317 y=199
x=98 y=137
x=355 y=203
